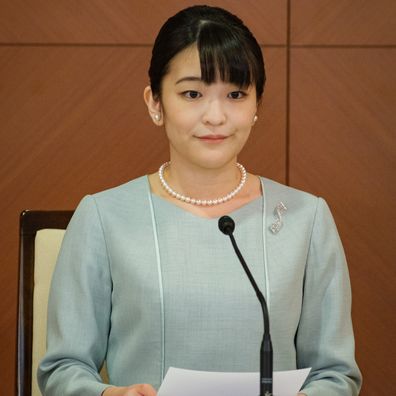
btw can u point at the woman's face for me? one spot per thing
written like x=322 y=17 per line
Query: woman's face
x=207 y=125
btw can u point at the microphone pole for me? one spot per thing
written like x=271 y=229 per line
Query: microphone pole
x=227 y=226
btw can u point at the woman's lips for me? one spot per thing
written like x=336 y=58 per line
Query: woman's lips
x=212 y=138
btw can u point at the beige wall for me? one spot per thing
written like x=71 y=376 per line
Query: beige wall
x=73 y=122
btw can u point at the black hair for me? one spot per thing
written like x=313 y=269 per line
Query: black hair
x=226 y=48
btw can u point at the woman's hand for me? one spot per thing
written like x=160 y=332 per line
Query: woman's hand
x=133 y=390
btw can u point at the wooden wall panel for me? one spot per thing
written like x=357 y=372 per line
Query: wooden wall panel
x=341 y=22
x=343 y=147
x=123 y=21
x=265 y=152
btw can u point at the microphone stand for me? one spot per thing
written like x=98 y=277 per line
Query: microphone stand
x=266 y=354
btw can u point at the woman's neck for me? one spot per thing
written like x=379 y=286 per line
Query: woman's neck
x=202 y=183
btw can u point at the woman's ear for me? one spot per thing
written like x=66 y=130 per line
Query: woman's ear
x=153 y=106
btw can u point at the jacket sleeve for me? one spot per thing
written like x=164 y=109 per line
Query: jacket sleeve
x=325 y=340
x=79 y=309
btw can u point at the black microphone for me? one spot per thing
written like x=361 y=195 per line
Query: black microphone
x=227 y=226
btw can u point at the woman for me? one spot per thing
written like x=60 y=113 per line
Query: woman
x=145 y=280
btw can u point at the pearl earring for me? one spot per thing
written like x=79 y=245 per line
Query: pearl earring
x=157 y=117
x=255 y=118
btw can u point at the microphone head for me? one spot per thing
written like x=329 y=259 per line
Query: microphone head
x=226 y=225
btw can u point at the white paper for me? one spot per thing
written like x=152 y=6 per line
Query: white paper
x=181 y=382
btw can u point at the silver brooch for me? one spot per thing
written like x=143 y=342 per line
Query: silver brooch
x=280 y=209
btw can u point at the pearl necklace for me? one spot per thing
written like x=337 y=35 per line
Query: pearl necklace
x=202 y=202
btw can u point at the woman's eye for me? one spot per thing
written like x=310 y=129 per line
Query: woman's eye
x=192 y=94
x=236 y=95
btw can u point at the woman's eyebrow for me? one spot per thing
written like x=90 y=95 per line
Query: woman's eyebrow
x=189 y=78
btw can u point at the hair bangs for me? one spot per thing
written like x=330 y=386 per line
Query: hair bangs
x=227 y=49
x=223 y=57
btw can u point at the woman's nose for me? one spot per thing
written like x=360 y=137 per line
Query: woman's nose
x=214 y=113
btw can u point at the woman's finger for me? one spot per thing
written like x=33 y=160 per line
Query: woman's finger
x=141 y=390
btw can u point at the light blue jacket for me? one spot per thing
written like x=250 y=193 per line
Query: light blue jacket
x=144 y=285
